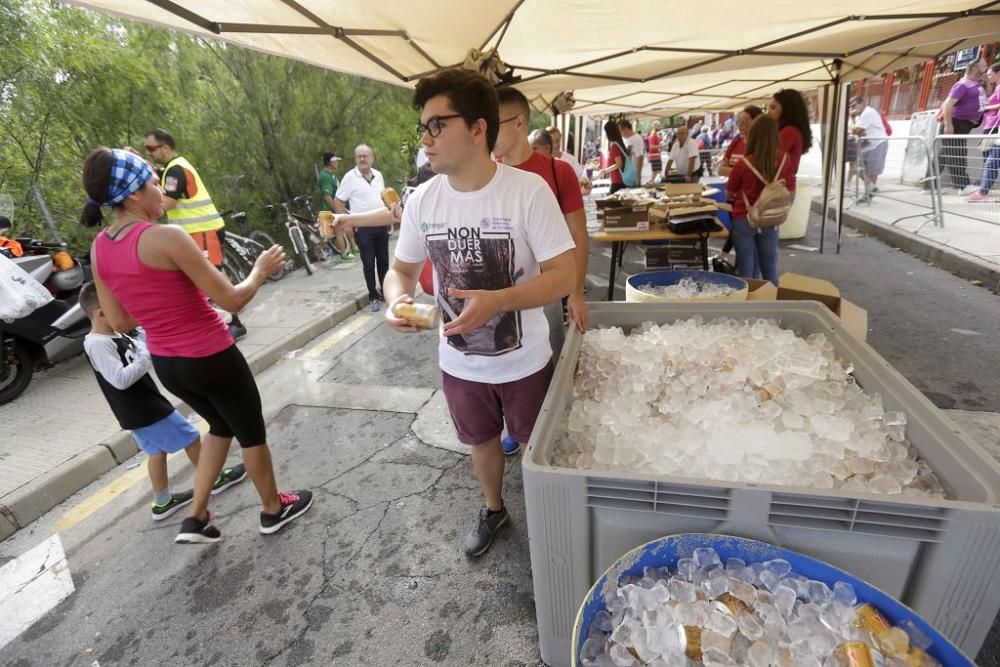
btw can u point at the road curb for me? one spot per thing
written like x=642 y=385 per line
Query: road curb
x=953 y=261
x=30 y=501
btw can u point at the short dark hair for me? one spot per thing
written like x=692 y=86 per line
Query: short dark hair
x=162 y=136
x=753 y=111
x=89 y=301
x=470 y=94
x=327 y=157
x=509 y=95
x=625 y=123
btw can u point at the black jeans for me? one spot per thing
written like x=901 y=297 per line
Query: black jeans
x=374 y=245
x=954 y=153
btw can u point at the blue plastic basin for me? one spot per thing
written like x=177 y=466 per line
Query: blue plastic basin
x=667 y=550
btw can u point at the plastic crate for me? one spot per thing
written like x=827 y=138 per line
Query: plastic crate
x=936 y=556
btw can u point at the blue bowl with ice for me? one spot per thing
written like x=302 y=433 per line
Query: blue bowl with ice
x=684 y=287
x=831 y=586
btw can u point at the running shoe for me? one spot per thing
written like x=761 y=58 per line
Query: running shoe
x=293 y=505
x=176 y=501
x=237 y=331
x=977 y=196
x=196 y=531
x=373 y=306
x=228 y=477
x=510 y=445
x=484 y=531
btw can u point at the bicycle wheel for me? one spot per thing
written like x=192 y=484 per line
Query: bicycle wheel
x=231 y=266
x=300 y=247
x=266 y=241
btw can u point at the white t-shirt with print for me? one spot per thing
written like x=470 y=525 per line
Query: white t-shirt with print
x=492 y=238
x=637 y=144
x=359 y=194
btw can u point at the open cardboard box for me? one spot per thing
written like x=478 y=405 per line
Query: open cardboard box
x=796 y=287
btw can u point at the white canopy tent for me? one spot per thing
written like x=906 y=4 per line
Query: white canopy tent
x=640 y=57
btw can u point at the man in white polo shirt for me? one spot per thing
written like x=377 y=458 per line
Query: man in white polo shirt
x=360 y=191
x=684 y=156
x=874 y=147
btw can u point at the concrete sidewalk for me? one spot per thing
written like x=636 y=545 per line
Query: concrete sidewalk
x=60 y=434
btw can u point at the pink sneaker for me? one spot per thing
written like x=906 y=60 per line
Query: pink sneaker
x=977 y=196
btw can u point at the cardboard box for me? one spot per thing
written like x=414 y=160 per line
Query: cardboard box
x=675 y=255
x=796 y=287
x=632 y=218
x=673 y=189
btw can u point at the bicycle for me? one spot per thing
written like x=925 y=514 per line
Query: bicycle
x=301 y=232
x=240 y=251
x=324 y=250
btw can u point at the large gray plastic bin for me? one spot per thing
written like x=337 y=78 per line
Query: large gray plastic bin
x=938 y=556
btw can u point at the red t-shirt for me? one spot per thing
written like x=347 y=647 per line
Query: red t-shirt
x=616 y=175
x=743 y=181
x=553 y=171
x=654 y=144
x=735 y=151
x=790 y=139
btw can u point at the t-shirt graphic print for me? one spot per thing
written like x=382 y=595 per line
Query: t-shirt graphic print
x=470 y=258
x=489 y=239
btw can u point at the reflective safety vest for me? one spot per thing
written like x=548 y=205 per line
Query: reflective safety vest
x=194 y=215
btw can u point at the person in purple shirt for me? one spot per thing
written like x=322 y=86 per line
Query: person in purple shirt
x=962 y=112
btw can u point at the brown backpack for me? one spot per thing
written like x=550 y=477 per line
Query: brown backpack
x=775 y=201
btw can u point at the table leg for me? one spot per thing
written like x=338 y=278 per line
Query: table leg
x=611 y=273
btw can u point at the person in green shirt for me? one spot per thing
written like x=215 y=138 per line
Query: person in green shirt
x=328 y=184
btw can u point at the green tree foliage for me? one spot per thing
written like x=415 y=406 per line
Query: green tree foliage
x=253 y=124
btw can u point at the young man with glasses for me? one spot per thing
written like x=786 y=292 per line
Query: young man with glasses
x=501 y=251
x=189 y=206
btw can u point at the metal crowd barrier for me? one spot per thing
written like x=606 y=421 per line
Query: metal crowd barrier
x=969 y=165
x=908 y=175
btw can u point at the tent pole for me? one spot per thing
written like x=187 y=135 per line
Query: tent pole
x=843 y=118
x=830 y=142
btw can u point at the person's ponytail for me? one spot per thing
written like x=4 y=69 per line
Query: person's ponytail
x=96 y=183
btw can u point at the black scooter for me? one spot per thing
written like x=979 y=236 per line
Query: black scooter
x=51 y=333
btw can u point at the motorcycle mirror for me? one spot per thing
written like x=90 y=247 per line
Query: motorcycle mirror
x=4 y=223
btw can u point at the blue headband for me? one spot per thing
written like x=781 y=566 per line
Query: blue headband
x=129 y=173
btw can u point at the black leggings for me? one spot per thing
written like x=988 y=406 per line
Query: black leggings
x=374 y=245
x=221 y=389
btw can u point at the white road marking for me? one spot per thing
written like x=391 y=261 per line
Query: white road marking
x=31 y=585
x=967 y=332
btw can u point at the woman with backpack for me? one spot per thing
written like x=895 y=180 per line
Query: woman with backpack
x=765 y=162
x=789 y=110
x=617 y=154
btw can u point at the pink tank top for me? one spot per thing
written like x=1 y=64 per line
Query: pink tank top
x=176 y=315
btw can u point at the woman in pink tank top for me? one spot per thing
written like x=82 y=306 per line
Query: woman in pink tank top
x=155 y=276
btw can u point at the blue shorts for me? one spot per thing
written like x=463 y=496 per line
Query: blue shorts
x=171 y=434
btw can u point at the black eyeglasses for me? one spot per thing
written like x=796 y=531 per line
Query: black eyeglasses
x=434 y=124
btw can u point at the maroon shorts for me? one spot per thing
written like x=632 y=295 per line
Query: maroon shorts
x=478 y=409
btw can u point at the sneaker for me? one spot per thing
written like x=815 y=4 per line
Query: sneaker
x=968 y=190
x=196 y=531
x=237 y=331
x=977 y=196
x=510 y=445
x=373 y=306
x=348 y=257
x=481 y=536
x=293 y=505
x=356 y=251
x=177 y=501
x=228 y=477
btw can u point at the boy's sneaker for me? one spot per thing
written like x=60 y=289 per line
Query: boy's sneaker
x=968 y=189
x=977 y=196
x=293 y=505
x=196 y=531
x=347 y=256
x=177 y=501
x=228 y=477
x=481 y=536
x=510 y=445
x=373 y=306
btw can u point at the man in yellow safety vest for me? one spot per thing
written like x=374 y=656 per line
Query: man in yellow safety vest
x=188 y=204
